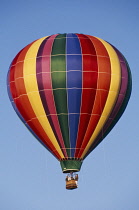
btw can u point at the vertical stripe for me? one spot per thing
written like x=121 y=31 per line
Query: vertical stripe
x=89 y=82
x=112 y=96
x=102 y=89
x=74 y=86
x=58 y=74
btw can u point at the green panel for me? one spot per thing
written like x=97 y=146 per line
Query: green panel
x=70 y=165
x=59 y=44
x=58 y=63
x=59 y=80
x=58 y=72
x=61 y=102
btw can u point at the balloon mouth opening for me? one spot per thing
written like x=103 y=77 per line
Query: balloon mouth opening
x=69 y=170
x=70 y=165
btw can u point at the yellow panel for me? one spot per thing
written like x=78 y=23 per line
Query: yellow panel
x=113 y=93
x=33 y=92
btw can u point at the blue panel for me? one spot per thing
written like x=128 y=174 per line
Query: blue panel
x=73 y=121
x=73 y=44
x=74 y=62
x=74 y=101
x=74 y=79
x=72 y=35
x=74 y=86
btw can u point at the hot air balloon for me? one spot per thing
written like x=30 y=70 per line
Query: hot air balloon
x=69 y=90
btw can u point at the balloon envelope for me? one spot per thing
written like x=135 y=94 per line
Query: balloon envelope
x=69 y=90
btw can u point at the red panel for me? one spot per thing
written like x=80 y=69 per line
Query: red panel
x=104 y=81
x=103 y=85
x=104 y=64
x=11 y=76
x=19 y=83
x=90 y=80
x=86 y=45
x=22 y=101
x=90 y=73
x=24 y=107
x=89 y=62
x=19 y=68
x=13 y=89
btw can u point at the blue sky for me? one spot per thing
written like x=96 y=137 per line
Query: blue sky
x=30 y=178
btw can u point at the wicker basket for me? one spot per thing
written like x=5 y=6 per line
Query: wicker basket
x=71 y=184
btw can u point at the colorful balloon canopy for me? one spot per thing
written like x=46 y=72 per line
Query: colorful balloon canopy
x=69 y=90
